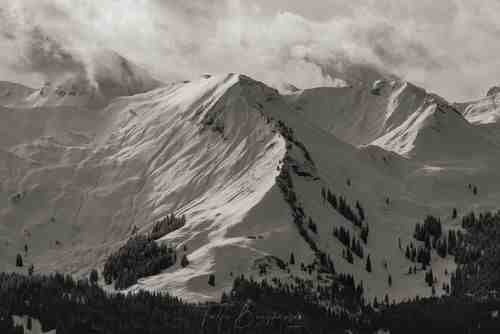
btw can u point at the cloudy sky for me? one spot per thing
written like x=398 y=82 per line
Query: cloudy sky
x=450 y=47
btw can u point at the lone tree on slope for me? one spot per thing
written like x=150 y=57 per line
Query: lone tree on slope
x=211 y=280
x=19 y=260
x=184 y=261
x=368 y=264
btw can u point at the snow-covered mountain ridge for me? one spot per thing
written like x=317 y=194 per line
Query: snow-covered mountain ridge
x=77 y=178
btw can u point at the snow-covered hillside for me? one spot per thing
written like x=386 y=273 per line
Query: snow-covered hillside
x=359 y=114
x=483 y=111
x=78 y=174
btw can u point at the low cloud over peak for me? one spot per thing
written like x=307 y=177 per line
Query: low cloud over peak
x=449 y=46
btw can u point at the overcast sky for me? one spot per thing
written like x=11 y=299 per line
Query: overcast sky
x=450 y=47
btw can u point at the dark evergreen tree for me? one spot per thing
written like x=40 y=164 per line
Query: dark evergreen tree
x=364 y=233
x=184 y=261
x=211 y=280
x=368 y=264
x=429 y=277
x=361 y=212
x=312 y=225
x=19 y=260
x=93 y=277
x=29 y=324
x=349 y=256
x=292 y=259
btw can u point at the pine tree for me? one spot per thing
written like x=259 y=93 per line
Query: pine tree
x=454 y=214
x=429 y=277
x=211 y=280
x=312 y=226
x=94 y=277
x=19 y=260
x=292 y=259
x=361 y=212
x=389 y=280
x=364 y=234
x=368 y=264
x=29 y=324
x=349 y=256
x=474 y=190
x=184 y=261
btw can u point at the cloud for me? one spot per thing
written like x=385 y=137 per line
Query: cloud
x=449 y=46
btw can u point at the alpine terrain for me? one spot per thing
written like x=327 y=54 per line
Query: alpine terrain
x=183 y=187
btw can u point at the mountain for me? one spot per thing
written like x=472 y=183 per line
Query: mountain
x=248 y=168
x=482 y=111
x=112 y=76
x=359 y=114
x=12 y=93
x=437 y=132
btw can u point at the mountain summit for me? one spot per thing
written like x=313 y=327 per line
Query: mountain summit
x=326 y=176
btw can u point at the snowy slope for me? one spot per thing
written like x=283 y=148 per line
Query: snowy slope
x=437 y=132
x=359 y=114
x=202 y=149
x=483 y=111
x=77 y=176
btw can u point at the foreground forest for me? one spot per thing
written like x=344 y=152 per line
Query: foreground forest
x=69 y=306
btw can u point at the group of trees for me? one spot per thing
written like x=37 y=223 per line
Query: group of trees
x=285 y=183
x=432 y=228
x=287 y=132
x=140 y=256
x=472 y=188
x=80 y=307
x=355 y=216
x=70 y=306
x=421 y=255
x=478 y=256
x=166 y=225
x=432 y=235
x=351 y=243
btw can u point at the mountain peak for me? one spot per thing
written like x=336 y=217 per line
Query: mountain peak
x=110 y=75
x=493 y=91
